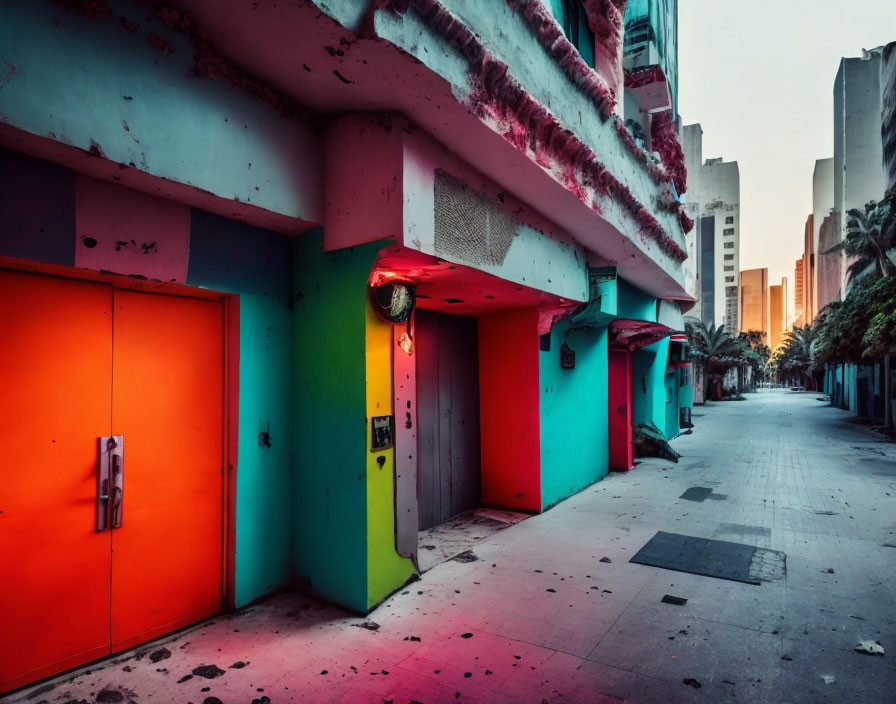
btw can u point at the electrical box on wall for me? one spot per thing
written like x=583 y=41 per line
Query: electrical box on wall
x=567 y=357
x=381 y=432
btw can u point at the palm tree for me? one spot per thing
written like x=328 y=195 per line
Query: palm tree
x=869 y=236
x=722 y=351
x=799 y=351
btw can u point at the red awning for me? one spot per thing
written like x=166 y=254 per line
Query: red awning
x=635 y=334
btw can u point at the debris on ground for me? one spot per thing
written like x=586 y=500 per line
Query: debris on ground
x=649 y=441
x=238 y=665
x=605 y=559
x=209 y=672
x=828 y=679
x=369 y=625
x=466 y=556
x=869 y=647
x=160 y=654
x=691 y=682
x=676 y=600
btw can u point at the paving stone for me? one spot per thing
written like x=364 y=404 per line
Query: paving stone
x=795 y=482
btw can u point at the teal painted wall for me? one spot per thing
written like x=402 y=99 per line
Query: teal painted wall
x=633 y=303
x=229 y=256
x=649 y=388
x=330 y=432
x=574 y=432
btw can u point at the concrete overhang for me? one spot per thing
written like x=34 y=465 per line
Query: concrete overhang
x=649 y=88
x=341 y=66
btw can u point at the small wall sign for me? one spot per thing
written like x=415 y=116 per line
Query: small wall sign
x=381 y=432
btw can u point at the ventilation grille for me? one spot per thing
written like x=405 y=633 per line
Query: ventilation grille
x=469 y=226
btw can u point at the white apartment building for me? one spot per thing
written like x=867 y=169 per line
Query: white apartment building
x=713 y=201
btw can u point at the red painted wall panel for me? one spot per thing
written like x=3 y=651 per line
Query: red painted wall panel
x=509 y=403
x=620 y=410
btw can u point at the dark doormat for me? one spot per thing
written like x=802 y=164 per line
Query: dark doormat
x=712 y=558
x=696 y=493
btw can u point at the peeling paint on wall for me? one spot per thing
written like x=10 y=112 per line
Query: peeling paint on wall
x=533 y=129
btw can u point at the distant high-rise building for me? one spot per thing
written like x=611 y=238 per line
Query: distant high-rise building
x=858 y=157
x=692 y=146
x=799 y=287
x=806 y=302
x=713 y=201
x=778 y=310
x=720 y=197
x=754 y=303
x=826 y=272
x=888 y=112
x=708 y=254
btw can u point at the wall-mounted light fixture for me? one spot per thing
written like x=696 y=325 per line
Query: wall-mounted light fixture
x=393 y=301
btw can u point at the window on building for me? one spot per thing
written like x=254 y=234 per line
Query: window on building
x=731 y=291
x=729 y=245
x=729 y=279
x=729 y=268
x=570 y=14
x=728 y=231
x=729 y=220
x=729 y=257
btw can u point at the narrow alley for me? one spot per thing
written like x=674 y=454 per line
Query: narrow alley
x=552 y=610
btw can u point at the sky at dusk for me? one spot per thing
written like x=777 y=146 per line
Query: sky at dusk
x=758 y=75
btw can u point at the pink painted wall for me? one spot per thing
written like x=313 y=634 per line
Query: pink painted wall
x=363 y=180
x=509 y=405
x=130 y=232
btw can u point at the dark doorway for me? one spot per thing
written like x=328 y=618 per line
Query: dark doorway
x=448 y=474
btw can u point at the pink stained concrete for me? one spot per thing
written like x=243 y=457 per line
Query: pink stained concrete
x=363 y=175
x=130 y=177
x=461 y=290
x=422 y=156
x=135 y=234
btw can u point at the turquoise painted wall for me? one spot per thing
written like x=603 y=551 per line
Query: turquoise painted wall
x=330 y=431
x=226 y=255
x=633 y=303
x=574 y=432
x=648 y=387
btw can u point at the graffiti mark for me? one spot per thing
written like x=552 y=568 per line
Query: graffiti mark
x=342 y=78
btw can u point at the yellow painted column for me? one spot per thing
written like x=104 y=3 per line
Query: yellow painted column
x=386 y=569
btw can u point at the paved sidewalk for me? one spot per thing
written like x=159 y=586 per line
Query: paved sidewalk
x=539 y=617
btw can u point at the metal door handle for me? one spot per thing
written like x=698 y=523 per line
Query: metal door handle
x=110 y=482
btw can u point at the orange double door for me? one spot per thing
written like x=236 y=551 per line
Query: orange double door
x=78 y=361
